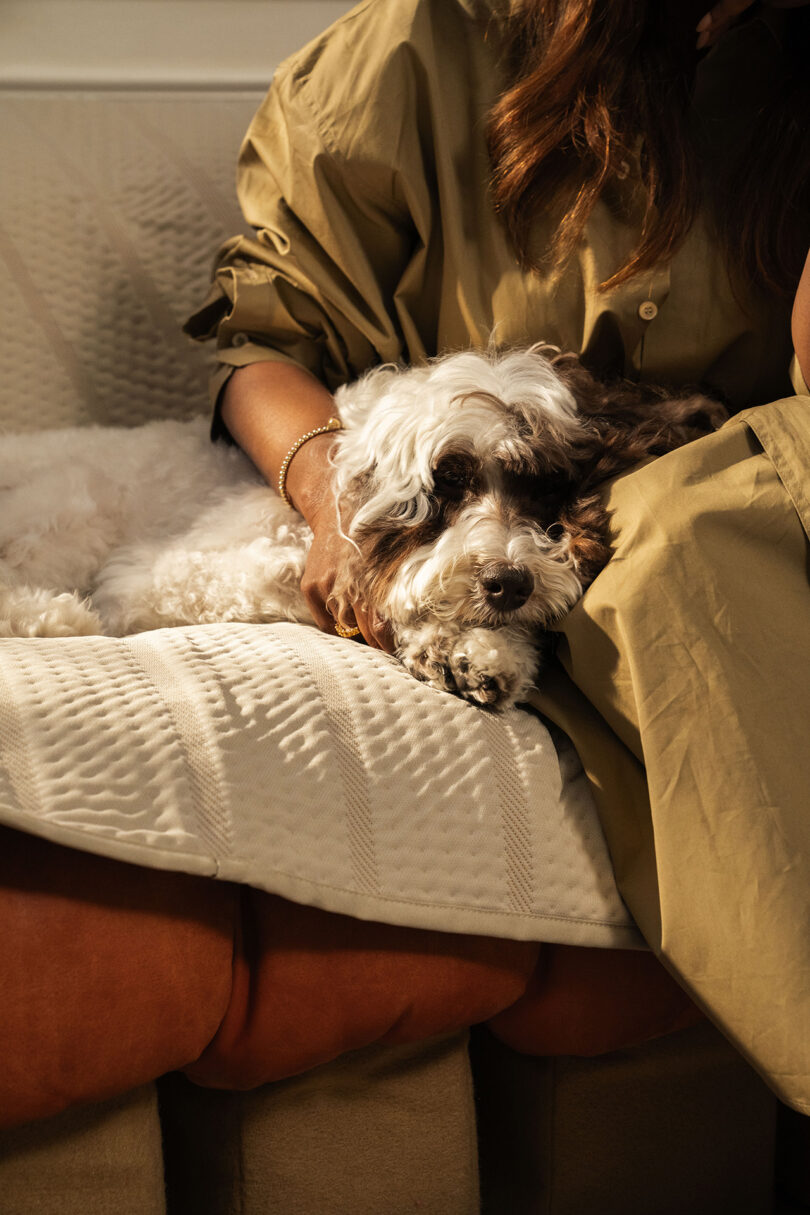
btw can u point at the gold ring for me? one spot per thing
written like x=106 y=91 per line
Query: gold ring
x=342 y=631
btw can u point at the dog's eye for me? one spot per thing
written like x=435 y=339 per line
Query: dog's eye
x=540 y=487
x=553 y=484
x=451 y=479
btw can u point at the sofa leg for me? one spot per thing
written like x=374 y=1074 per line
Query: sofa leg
x=380 y=1131
x=102 y=1159
x=677 y=1125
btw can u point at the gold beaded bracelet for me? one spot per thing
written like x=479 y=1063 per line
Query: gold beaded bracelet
x=332 y=424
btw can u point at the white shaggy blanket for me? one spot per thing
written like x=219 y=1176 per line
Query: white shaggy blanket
x=308 y=766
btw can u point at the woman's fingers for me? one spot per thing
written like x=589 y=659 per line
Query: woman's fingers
x=358 y=621
x=320 y=613
x=718 y=19
x=328 y=553
x=325 y=557
x=375 y=630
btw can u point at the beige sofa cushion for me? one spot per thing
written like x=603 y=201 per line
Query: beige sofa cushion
x=111 y=208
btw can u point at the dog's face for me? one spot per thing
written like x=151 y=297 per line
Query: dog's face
x=452 y=478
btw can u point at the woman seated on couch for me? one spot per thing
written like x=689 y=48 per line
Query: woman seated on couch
x=596 y=174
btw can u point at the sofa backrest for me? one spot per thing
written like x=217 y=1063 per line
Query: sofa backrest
x=112 y=206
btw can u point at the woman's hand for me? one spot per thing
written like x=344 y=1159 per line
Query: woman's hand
x=327 y=555
x=718 y=19
x=266 y=407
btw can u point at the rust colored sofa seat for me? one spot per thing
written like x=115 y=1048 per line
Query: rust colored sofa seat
x=114 y=975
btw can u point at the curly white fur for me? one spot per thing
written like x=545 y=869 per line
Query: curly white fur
x=119 y=531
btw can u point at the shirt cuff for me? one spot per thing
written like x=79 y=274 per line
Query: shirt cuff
x=229 y=359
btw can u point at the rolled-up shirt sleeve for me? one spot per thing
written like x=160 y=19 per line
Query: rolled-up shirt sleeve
x=333 y=234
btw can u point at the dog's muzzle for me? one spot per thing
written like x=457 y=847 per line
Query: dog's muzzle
x=505 y=587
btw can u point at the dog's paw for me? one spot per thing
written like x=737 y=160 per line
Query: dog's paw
x=489 y=667
x=429 y=664
x=492 y=667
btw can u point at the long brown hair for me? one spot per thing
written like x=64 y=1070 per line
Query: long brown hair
x=597 y=79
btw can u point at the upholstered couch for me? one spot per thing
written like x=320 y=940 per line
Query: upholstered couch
x=170 y=1041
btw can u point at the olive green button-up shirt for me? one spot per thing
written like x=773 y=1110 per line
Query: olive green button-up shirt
x=364 y=174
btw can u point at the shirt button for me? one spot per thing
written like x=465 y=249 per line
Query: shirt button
x=240 y=339
x=648 y=311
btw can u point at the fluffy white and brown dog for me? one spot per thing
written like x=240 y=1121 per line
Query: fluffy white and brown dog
x=469 y=488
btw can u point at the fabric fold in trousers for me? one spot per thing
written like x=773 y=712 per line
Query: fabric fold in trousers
x=687 y=695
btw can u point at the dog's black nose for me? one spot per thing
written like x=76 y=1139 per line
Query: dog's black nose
x=506 y=587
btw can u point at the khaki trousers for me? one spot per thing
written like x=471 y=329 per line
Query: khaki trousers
x=686 y=690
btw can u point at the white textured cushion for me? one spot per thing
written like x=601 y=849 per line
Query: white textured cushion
x=308 y=766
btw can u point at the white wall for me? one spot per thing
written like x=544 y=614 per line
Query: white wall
x=122 y=44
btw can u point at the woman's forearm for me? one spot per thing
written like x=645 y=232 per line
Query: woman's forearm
x=801 y=322
x=266 y=407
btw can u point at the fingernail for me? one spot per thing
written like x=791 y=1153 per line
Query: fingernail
x=704 y=24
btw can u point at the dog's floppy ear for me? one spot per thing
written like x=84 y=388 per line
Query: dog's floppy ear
x=626 y=423
x=586 y=522
x=629 y=422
